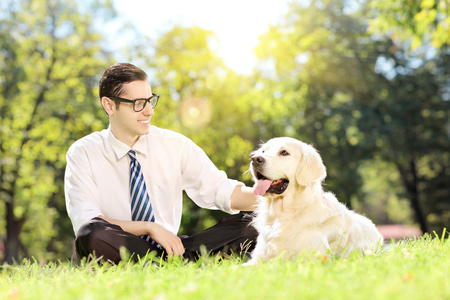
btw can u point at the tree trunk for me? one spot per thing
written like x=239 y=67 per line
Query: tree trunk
x=414 y=192
x=13 y=229
x=411 y=184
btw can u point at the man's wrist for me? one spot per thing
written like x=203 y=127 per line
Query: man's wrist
x=149 y=227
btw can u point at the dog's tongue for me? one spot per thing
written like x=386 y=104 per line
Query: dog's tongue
x=261 y=186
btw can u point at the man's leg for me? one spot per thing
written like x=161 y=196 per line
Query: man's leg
x=104 y=239
x=233 y=234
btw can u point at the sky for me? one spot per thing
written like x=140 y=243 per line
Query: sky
x=237 y=23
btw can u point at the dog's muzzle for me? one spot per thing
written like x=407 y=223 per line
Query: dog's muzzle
x=263 y=185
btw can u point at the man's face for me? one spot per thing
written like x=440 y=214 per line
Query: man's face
x=126 y=124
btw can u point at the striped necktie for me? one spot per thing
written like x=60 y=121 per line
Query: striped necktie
x=141 y=208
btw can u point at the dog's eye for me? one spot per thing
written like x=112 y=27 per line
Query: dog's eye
x=284 y=153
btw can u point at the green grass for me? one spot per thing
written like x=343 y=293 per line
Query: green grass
x=418 y=269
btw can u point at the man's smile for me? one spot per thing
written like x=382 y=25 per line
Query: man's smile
x=144 y=122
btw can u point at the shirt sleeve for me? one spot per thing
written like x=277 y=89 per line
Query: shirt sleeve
x=204 y=183
x=81 y=192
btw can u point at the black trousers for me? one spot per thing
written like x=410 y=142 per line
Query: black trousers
x=233 y=234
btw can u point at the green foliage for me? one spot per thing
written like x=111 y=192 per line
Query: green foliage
x=409 y=270
x=51 y=59
x=418 y=22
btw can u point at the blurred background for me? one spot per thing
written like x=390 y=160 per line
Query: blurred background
x=366 y=82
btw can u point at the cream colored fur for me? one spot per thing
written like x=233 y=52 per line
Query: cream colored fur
x=304 y=218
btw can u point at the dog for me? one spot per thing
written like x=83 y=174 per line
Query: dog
x=294 y=215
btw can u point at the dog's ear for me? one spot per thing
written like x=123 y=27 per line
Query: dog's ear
x=311 y=167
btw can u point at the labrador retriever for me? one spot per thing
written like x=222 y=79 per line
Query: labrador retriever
x=294 y=214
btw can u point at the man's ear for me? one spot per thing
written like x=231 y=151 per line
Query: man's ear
x=108 y=106
x=311 y=167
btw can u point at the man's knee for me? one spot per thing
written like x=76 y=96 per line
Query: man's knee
x=100 y=238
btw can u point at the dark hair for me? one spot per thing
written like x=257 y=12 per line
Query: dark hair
x=112 y=81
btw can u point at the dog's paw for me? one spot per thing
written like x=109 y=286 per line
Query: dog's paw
x=251 y=263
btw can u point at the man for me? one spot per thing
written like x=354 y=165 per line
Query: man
x=124 y=185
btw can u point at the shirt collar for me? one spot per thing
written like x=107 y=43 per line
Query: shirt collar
x=121 y=149
x=141 y=145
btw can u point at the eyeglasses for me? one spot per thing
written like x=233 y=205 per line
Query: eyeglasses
x=139 y=104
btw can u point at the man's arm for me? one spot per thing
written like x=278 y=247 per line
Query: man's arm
x=243 y=198
x=170 y=242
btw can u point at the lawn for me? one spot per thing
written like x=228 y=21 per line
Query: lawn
x=416 y=269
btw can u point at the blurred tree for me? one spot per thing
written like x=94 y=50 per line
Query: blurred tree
x=417 y=69
x=420 y=22
x=50 y=60
x=358 y=96
x=406 y=122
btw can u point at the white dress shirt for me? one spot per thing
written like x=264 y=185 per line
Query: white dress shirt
x=97 y=178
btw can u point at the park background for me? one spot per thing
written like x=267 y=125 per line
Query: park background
x=366 y=82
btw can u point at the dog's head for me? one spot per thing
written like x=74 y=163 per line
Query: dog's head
x=284 y=161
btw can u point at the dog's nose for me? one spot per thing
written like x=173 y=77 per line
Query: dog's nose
x=259 y=160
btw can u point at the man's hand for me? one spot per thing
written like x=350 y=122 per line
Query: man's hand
x=243 y=199
x=170 y=242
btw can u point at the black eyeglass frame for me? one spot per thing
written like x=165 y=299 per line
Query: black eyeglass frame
x=153 y=101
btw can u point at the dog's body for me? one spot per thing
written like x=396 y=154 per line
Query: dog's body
x=294 y=214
